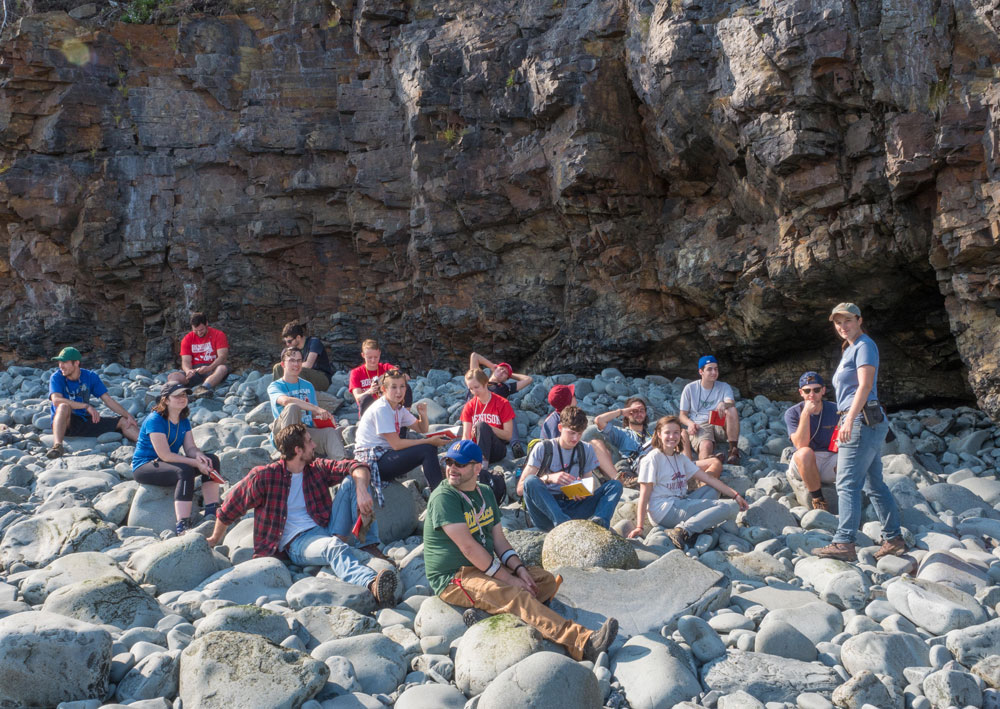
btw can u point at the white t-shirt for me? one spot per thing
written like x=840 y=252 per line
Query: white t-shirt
x=700 y=402
x=380 y=418
x=668 y=473
x=298 y=519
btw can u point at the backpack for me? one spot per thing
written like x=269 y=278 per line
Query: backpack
x=547 y=450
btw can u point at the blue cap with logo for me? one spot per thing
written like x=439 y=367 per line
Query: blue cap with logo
x=464 y=452
x=707 y=359
x=811 y=378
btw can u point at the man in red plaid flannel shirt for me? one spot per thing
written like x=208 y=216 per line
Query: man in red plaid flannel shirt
x=295 y=515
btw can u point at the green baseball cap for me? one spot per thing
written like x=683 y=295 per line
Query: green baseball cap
x=68 y=354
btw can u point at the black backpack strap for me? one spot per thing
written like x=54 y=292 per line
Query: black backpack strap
x=546 y=465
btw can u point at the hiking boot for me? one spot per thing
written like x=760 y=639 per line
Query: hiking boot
x=891 y=547
x=679 y=536
x=56 y=451
x=471 y=616
x=838 y=550
x=600 y=640
x=383 y=587
x=517 y=449
x=734 y=455
x=373 y=550
x=818 y=503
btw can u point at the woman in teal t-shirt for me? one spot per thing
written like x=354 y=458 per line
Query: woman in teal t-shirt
x=159 y=460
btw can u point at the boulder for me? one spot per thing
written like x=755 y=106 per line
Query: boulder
x=70 y=660
x=153 y=508
x=957 y=499
x=864 y=688
x=69 y=569
x=580 y=543
x=246 y=619
x=746 y=566
x=590 y=596
x=379 y=663
x=976 y=643
x=437 y=618
x=114 y=505
x=176 y=564
x=988 y=670
x=398 y=519
x=491 y=646
x=227 y=669
x=701 y=637
x=776 y=637
x=327 y=590
x=424 y=696
x=818 y=621
x=45 y=536
x=655 y=672
x=107 y=600
x=837 y=582
x=768 y=513
x=153 y=676
x=246 y=582
x=325 y=623
x=934 y=606
x=884 y=653
x=767 y=678
x=544 y=679
x=952 y=570
x=951 y=688
x=528 y=544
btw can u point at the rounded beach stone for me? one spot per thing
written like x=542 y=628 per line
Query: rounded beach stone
x=582 y=544
x=491 y=646
x=545 y=679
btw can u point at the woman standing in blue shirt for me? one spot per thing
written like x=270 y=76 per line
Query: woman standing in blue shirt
x=862 y=431
x=159 y=460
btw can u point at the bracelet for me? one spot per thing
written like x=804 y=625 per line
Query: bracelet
x=506 y=555
x=494 y=567
x=514 y=570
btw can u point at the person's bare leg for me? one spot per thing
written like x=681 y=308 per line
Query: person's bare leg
x=128 y=429
x=60 y=422
x=217 y=376
x=805 y=464
x=182 y=509
x=706 y=449
x=732 y=424
x=686 y=446
x=711 y=466
x=602 y=453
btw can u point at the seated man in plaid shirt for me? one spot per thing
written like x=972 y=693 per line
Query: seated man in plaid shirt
x=295 y=515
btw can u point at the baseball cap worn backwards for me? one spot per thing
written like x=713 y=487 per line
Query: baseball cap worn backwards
x=464 y=452
x=707 y=359
x=68 y=354
x=811 y=378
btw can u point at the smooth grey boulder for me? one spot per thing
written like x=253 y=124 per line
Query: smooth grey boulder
x=153 y=508
x=70 y=659
x=590 y=596
x=861 y=689
x=426 y=696
x=436 y=617
x=746 y=566
x=951 y=569
x=957 y=499
x=818 y=621
x=768 y=513
x=655 y=672
x=398 y=518
x=934 y=606
x=776 y=637
x=884 y=653
x=246 y=582
x=246 y=619
x=327 y=590
x=768 y=678
x=176 y=564
x=45 y=536
x=837 y=582
x=976 y=643
x=226 y=669
x=112 y=600
x=951 y=688
x=528 y=545
x=114 y=505
x=379 y=663
x=491 y=646
x=701 y=637
x=153 y=676
x=325 y=623
x=545 y=679
x=66 y=570
x=582 y=544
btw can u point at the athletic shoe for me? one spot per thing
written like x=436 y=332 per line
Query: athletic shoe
x=891 y=547
x=201 y=392
x=517 y=449
x=601 y=640
x=679 y=536
x=471 y=616
x=383 y=587
x=734 y=456
x=56 y=451
x=839 y=550
x=818 y=503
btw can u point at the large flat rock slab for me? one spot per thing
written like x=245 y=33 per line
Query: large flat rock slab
x=680 y=585
x=769 y=678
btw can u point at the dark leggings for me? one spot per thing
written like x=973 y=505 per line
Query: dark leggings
x=493 y=447
x=395 y=464
x=182 y=475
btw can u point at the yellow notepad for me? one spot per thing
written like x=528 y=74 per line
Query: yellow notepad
x=580 y=489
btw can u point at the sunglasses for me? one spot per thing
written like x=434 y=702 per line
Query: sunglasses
x=812 y=390
x=289 y=340
x=449 y=462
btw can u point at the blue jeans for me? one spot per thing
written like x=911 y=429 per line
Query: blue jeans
x=320 y=546
x=548 y=510
x=344 y=513
x=859 y=466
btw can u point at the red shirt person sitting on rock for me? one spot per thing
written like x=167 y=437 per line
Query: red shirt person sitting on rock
x=70 y=390
x=204 y=351
x=365 y=380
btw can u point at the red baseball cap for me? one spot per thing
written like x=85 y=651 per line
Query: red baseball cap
x=504 y=365
x=561 y=395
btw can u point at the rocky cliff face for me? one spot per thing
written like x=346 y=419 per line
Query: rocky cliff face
x=560 y=183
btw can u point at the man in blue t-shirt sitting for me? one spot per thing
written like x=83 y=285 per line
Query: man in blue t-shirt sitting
x=810 y=426
x=293 y=400
x=70 y=390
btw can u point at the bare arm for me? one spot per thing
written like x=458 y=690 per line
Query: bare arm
x=476 y=361
x=522 y=380
x=163 y=452
x=800 y=436
x=310 y=360
x=866 y=379
x=602 y=420
x=641 y=508
x=422 y=421
x=186 y=364
x=690 y=425
x=317 y=411
x=220 y=358
x=723 y=489
x=58 y=399
x=476 y=554
x=505 y=433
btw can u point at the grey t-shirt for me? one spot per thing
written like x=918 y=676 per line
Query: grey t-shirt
x=563 y=461
x=700 y=402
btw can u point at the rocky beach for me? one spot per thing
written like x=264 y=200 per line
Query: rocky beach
x=101 y=605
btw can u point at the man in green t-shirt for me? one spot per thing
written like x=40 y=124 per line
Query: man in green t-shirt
x=462 y=532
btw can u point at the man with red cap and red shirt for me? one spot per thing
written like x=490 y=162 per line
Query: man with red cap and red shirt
x=504 y=382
